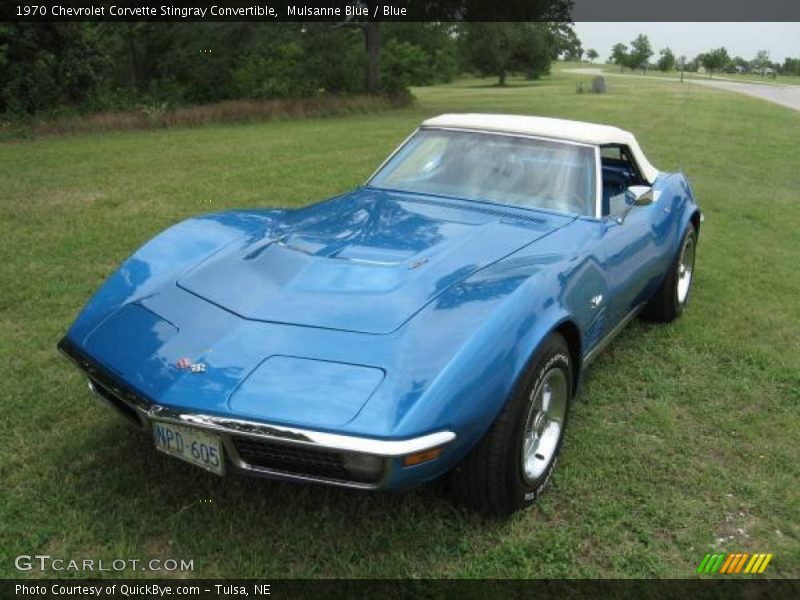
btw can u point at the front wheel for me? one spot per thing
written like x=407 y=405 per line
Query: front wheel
x=511 y=465
x=672 y=297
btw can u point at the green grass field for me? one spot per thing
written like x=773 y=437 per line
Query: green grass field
x=684 y=440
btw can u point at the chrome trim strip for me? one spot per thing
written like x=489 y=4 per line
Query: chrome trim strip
x=149 y=412
x=391 y=156
x=305 y=437
x=600 y=346
x=598 y=176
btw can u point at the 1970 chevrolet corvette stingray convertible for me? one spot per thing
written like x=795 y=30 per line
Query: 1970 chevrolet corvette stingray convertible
x=436 y=320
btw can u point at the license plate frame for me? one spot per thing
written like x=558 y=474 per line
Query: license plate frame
x=195 y=446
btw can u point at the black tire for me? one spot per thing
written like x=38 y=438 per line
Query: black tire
x=492 y=478
x=668 y=303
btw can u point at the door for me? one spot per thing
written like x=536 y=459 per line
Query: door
x=635 y=254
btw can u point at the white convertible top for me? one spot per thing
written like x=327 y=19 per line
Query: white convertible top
x=558 y=129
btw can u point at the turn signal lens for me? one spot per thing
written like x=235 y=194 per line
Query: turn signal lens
x=421 y=457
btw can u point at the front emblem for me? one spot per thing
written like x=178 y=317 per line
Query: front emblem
x=184 y=363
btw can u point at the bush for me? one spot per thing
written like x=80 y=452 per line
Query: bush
x=403 y=64
x=279 y=74
x=157 y=115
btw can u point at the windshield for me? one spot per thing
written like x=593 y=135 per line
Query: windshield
x=493 y=167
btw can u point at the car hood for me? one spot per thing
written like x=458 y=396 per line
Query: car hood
x=363 y=262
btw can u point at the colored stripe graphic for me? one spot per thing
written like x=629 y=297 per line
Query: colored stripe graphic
x=765 y=563
x=716 y=564
x=728 y=563
x=734 y=563
x=754 y=562
x=703 y=563
x=741 y=562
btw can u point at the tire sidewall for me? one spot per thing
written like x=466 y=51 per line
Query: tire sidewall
x=553 y=354
x=680 y=307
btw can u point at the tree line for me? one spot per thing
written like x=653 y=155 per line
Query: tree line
x=46 y=67
x=637 y=55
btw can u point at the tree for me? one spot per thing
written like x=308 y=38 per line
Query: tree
x=640 y=53
x=791 y=66
x=592 y=54
x=715 y=59
x=561 y=38
x=666 y=60
x=545 y=11
x=489 y=48
x=760 y=62
x=574 y=52
x=372 y=39
x=500 y=48
x=619 y=55
x=681 y=64
x=436 y=40
x=335 y=60
x=738 y=65
x=48 y=65
x=403 y=64
x=537 y=49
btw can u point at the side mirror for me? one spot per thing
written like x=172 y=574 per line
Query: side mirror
x=637 y=195
x=641 y=195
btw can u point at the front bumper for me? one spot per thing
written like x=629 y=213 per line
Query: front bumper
x=265 y=449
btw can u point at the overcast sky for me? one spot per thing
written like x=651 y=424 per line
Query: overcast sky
x=690 y=39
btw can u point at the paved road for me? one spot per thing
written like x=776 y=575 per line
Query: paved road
x=785 y=95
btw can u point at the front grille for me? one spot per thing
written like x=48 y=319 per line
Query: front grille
x=290 y=458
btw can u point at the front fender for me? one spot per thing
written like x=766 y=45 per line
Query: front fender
x=163 y=258
x=687 y=208
x=475 y=384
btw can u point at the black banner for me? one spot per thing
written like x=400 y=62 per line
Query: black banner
x=541 y=589
x=401 y=10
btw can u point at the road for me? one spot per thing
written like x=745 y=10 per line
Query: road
x=785 y=95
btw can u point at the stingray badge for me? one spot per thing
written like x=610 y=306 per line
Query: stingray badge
x=185 y=363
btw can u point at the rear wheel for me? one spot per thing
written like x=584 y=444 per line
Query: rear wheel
x=672 y=297
x=512 y=464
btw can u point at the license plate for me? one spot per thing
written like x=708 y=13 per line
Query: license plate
x=195 y=446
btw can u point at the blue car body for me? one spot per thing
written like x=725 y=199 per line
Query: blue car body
x=379 y=323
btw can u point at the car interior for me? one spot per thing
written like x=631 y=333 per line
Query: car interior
x=619 y=173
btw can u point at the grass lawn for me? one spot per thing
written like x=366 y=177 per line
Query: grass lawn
x=684 y=441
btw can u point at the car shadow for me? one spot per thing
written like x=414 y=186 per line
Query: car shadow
x=122 y=486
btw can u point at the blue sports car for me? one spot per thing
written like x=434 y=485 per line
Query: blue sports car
x=435 y=321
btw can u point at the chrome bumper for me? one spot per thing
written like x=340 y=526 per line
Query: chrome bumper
x=142 y=412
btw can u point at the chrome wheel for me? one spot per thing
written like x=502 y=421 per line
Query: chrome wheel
x=685 y=269
x=544 y=423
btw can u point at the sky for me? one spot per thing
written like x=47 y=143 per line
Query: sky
x=690 y=39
